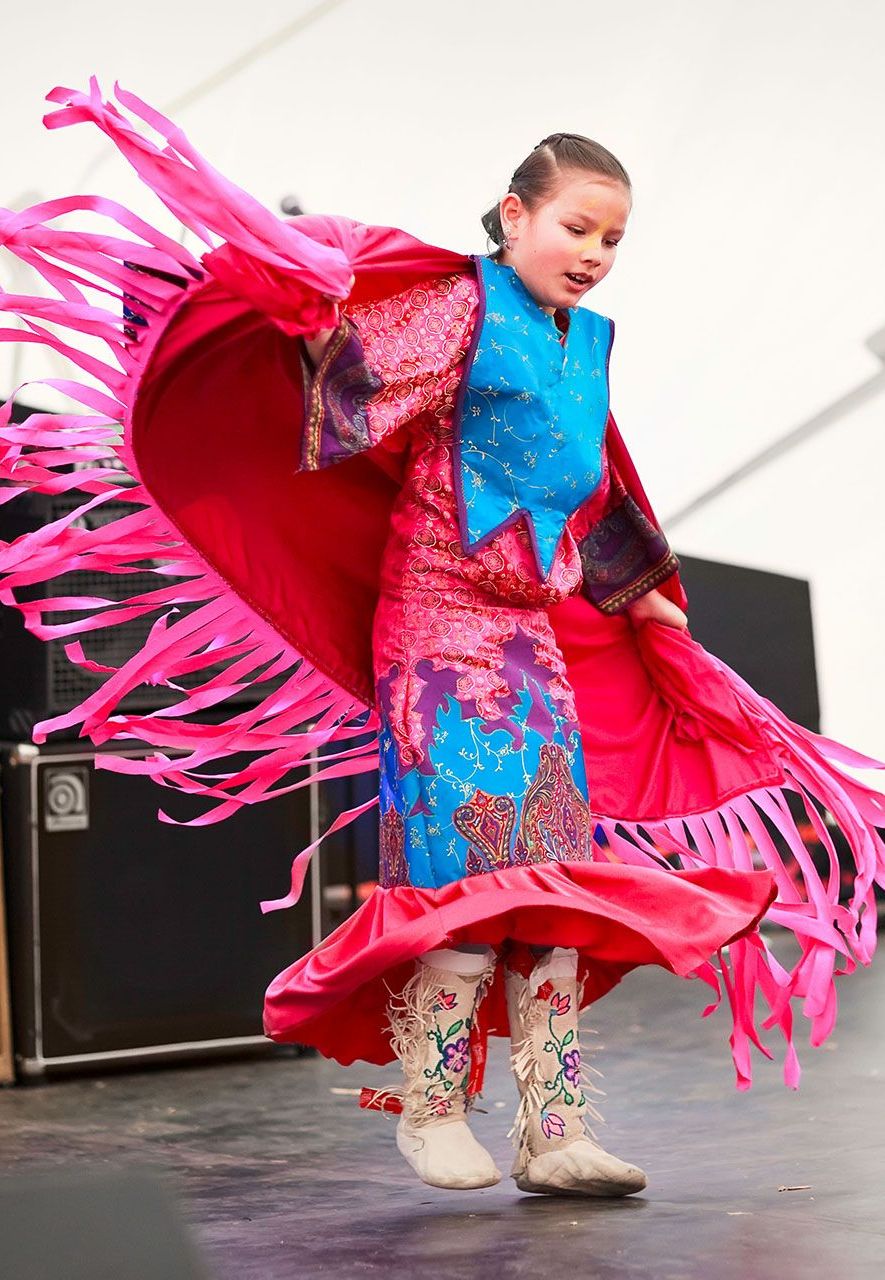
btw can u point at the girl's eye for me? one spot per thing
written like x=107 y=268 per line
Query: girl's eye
x=580 y=231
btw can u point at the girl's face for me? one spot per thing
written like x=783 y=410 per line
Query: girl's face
x=575 y=233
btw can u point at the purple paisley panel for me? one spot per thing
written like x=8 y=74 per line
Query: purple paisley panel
x=336 y=423
x=624 y=556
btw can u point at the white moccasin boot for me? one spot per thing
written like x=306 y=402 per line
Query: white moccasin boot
x=431 y=1023
x=555 y=1154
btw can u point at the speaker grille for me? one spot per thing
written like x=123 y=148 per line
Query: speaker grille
x=112 y=646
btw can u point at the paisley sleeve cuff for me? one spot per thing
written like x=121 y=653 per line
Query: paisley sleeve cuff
x=624 y=556
x=336 y=393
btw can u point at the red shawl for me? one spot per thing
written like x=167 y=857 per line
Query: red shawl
x=216 y=433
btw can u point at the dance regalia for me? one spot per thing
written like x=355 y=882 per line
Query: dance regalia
x=427 y=544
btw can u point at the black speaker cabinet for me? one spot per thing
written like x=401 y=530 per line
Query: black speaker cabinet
x=132 y=939
x=37 y=680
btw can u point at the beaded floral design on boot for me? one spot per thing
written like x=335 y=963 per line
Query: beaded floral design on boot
x=431 y=1024
x=555 y=1153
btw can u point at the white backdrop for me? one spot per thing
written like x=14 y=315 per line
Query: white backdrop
x=748 y=284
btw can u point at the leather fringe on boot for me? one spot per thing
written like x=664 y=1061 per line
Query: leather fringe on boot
x=556 y=1153
x=430 y=1024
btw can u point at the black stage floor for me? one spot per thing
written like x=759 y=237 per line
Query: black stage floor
x=278 y=1175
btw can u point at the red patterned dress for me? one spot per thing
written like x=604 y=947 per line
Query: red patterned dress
x=487 y=833
x=481 y=757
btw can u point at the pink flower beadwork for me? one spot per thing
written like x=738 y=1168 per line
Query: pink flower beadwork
x=560 y=1004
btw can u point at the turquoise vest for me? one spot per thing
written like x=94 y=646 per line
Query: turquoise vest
x=531 y=415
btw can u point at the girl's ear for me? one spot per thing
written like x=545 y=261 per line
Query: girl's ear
x=511 y=209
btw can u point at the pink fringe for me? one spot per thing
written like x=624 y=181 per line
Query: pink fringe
x=41 y=456
x=308 y=712
x=833 y=937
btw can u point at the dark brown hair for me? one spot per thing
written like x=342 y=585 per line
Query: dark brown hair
x=536 y=179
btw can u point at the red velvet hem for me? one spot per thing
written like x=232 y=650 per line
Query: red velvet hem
x=616 y=916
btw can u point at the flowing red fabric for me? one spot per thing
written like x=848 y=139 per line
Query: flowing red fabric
x=617 y=917
x=304 y=548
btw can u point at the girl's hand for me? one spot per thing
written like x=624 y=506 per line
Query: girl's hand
x=655 y=607
x=316 y=345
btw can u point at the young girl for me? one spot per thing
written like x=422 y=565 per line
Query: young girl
x=481 y=767
x=416 y=506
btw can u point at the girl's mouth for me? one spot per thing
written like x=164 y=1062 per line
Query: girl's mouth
x=578 y=281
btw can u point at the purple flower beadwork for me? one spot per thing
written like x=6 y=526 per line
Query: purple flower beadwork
x=571 y=1065
x=455 y=1055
